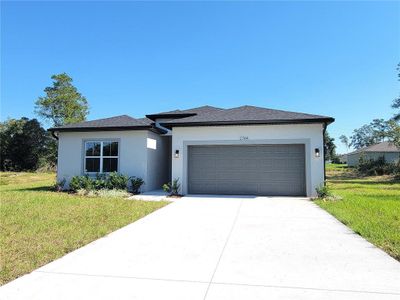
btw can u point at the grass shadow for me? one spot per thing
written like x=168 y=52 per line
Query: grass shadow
x=37 y=189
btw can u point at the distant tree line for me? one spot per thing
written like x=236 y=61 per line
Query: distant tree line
x=378 y=130
x=24 y=144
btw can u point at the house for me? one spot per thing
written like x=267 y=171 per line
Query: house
x=343 y=158
x=242 y=150
x=389 y=151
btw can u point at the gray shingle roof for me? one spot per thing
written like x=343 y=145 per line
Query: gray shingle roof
x=118 y=122
x=247 y=115
x=199 y=116
x=186 y=112
x=198 y=110
x=381 y=147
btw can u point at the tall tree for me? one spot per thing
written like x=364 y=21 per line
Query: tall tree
x=330 y=147
x=380 y=129
x=396 y=102
x=375 y=132
x=23 y=143
x=345 y=141
x=63 y=104
x=394 y=132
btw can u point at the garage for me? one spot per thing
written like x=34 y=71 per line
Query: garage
x=270 y=170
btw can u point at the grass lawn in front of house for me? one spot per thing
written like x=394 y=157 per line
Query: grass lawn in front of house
x=39 y=225
x=370 y=206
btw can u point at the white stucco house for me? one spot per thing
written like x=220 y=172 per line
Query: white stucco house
x=243 y=150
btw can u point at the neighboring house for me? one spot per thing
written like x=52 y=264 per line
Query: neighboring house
x=242 y=150
x=343 y=158
x=389 y=151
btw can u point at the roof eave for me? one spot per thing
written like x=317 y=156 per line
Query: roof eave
x=110 y=128
x=249 y=122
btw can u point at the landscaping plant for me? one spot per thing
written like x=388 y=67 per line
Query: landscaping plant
x=112 y=181
x=172 y=188
x=117 y=181
x=323 y=191
x=136 y=184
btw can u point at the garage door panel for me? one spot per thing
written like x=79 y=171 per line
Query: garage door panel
x=241 y=177
x=199 y=188
x=235 y=188
x=249 y=169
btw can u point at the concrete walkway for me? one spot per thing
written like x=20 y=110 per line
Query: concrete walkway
x=221 y=248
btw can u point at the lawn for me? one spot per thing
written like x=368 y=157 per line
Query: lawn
x=39 y=225
x=370 y=206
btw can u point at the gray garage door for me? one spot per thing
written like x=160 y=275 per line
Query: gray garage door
x=276 y=170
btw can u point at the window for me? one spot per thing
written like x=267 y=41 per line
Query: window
x=101 y=156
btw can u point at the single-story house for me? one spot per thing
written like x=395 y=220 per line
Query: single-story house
x=242 y=150
x=343 y=158
x=388 y=150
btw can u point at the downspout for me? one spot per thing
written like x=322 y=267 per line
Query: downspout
x=54 y=135
x=159 y=126
x=323 y=141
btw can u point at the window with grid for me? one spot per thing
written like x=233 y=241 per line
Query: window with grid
x=101 y=156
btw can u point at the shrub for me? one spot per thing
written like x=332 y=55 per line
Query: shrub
x=59 y=185
x=323 y=191
x=117 y=181
x=81 y=182
x=374 y=167
x=136 y=184
x=101 y=181
x=172 y=188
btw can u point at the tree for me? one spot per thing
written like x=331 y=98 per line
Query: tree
x=23 y=143
x=330 y=148
x=375 y=132
x=380 y=129
x=394 y=132
x=362 y=137
x=345 y=141
x=396 y=102
x=63 y=104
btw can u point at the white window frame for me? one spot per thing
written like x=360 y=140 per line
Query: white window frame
x=99 y=157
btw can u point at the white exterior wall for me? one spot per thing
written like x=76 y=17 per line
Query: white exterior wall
x=390 y=157
x=157 y=162
x=133 y=152
x=309 y=134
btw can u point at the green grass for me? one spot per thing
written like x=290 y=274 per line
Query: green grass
x=370 y=207
x=336 y=167
x=38 y=225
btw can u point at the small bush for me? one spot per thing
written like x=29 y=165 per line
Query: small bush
x=117 y=181
x=323 y=191
x=172 y=188
x=377 y=167
x=136 y=184
x=81 y=182
x=59 y=185
x=100 y=182
x=396 y=172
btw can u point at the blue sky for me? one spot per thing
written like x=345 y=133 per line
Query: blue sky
x=331 y=58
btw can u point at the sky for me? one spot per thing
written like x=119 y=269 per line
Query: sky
x=330 y=58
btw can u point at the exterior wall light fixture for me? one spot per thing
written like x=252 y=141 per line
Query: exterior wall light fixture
x=176 y=155
x=317 y=152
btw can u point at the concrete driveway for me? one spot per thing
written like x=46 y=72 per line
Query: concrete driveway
x=221 y=248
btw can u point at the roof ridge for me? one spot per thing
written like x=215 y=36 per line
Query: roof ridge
x=279 y=110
